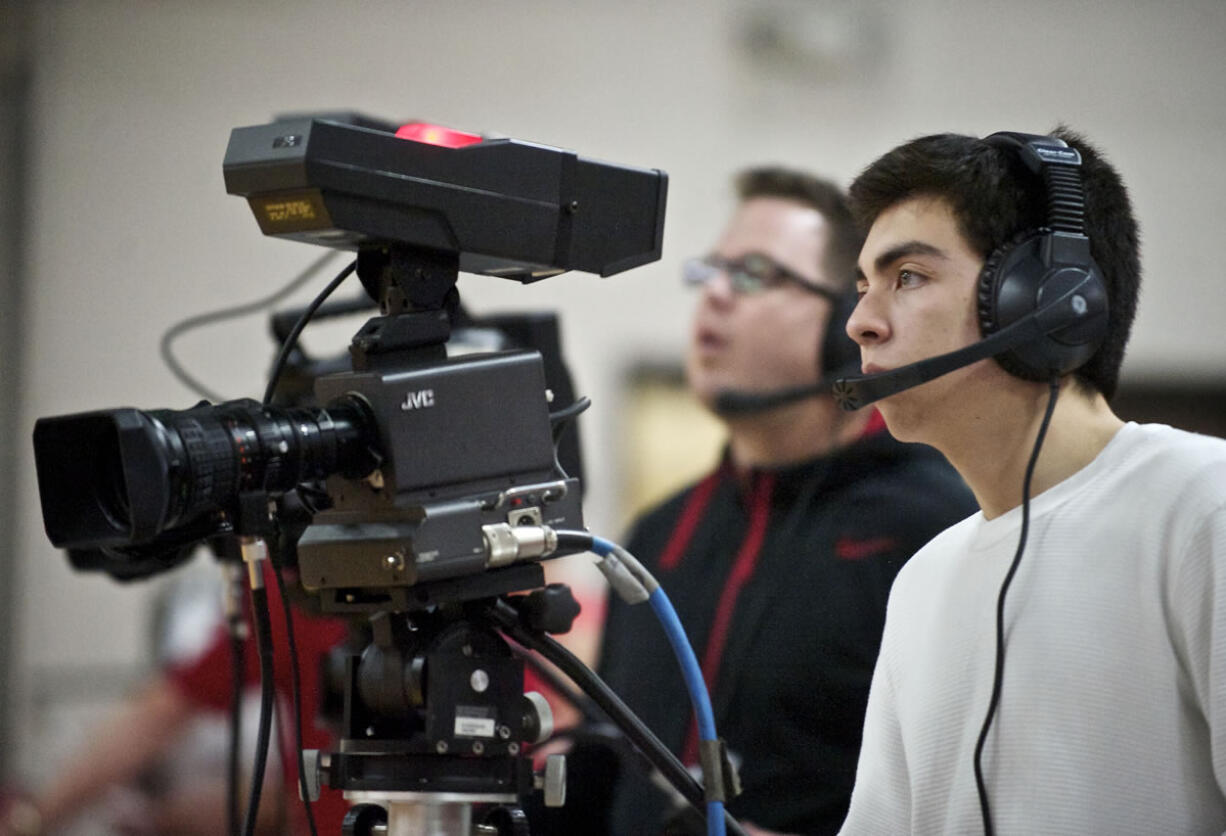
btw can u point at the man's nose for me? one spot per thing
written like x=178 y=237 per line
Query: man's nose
x=868 y=324
x=718 y=289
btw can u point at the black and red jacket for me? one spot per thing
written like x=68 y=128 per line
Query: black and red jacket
x=780 y=578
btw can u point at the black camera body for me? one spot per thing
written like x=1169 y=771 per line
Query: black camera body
x=470 y=446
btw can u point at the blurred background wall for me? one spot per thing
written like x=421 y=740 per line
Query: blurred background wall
x=116 y=113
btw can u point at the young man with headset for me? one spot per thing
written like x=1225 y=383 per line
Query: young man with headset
x=780 y=560
x=1057 y=662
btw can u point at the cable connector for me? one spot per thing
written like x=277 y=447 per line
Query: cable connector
x=622 y=579
x=720 y=779
x=232 y=599
x=506 y=544
x=255 y=552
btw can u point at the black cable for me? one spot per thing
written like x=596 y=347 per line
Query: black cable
x=563 y=416
x=200 y=320
x=287 y=347
x=606 y=698
x=582 y=702
x=559 y=421
x=280 y=746
x=263 y=643
x=296 y=688
x=505 y=616
x=238 y=630
x=573 y=541
x=238 y=674
x=998 y=678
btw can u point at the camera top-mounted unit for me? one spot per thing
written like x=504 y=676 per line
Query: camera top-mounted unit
x=508 y=208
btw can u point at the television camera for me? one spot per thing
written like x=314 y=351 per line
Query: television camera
x=432 y=481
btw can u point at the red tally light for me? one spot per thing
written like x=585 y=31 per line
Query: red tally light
x=436 y=135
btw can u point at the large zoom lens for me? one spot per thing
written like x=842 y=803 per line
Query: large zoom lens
x=122 y=477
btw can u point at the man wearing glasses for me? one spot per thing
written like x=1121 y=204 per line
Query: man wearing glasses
x=780 y=561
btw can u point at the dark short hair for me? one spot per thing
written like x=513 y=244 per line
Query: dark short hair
x=993 y=198
x=844 y=241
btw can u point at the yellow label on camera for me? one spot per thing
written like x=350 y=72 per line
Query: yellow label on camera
x=286 y=212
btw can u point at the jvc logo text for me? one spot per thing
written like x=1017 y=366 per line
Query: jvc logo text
x=418 y=400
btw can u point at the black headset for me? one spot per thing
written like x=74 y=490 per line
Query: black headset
x=1043 y=268
x=839 y=351
x=1041 y=298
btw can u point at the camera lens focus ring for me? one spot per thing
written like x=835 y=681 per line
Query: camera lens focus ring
x=211 y=468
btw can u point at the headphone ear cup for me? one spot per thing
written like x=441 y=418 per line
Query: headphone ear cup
x=1014 y=280
x=991 y=277
x=987 y=291
x=840 y=354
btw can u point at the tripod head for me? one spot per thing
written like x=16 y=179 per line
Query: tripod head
x=435 y=718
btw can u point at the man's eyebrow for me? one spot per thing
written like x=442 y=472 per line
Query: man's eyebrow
x=904 y=250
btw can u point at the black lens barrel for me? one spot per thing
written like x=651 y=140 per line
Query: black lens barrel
x=121 y=477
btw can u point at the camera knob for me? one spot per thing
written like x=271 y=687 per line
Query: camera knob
x=312 y=762
x=537 y=718
x=553 y=781
x=551 y=609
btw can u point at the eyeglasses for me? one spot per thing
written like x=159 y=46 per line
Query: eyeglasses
x=749 y=274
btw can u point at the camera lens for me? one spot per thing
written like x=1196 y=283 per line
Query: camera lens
x=112 y=494
x=122 y=477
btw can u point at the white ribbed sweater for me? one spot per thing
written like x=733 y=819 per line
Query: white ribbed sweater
x=1112 y=717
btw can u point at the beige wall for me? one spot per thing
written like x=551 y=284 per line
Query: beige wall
x=132 y=229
